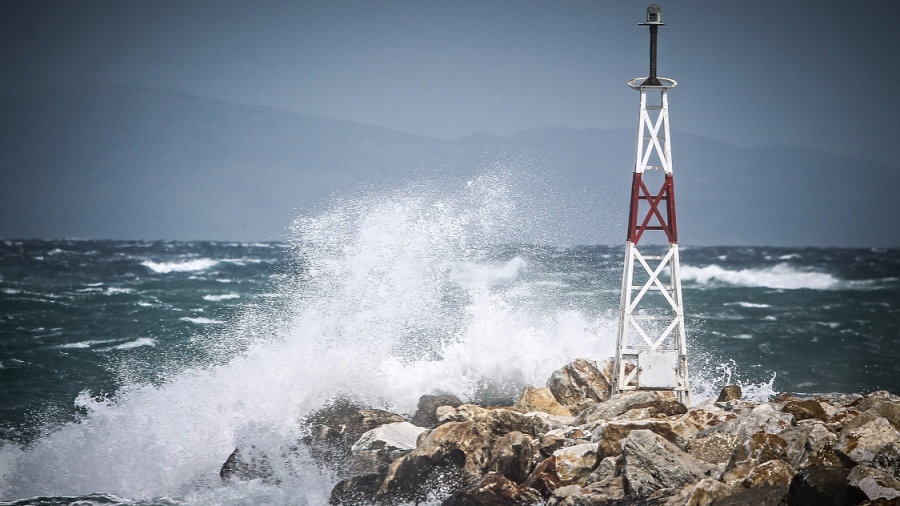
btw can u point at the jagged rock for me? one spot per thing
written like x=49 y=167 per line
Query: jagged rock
x=492 y=490
x=605 y=470
x=714 y=448
x=822 y=486
x=763 y=495
x=568 y=495
x=609 y=435
x=620 y=404
x=862 y=443
x=729 y=393
x=819 y=448
x=772 y=472
x=874 y=483
x=540 y=399
x=579 y=384
x=513 y=455
x=702 y=493
x=731 y=434
x=805 y=410
x=795 y=438
x=553 y=421
x=701 y=419
x=888 y=459
x=455 y=452
x=333 y=430
x=575 y=463
x=498 y=420
x=608 y=491
x=551 y=441
x=876 y=398
x=247 y=464
x=651 y=463
x=356 y=490
x=760 y=447
x=427 y=407
x=544 y=478
x=382 y=445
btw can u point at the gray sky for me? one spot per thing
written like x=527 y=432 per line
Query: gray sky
x=765 y=72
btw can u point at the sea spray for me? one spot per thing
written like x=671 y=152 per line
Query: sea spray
x=395 y=295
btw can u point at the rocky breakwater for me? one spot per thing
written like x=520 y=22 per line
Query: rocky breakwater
x=568 y=443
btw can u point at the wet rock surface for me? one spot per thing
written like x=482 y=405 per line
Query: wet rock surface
x=572 y=444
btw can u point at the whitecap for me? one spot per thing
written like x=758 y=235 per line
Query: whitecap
x=781 y=276
x=199 y=264
x=201 y=320
x=85 y=344
x=137 y=343
x=115 y=289
x=217 y=298
x=747 y=304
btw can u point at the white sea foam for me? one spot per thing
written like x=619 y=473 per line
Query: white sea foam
x=117 y=289
x=199 y=264
x=85 y=344
x=137 y=343
x=780 y=276
x=747 y=304
x=201 y=320
x=224 y=296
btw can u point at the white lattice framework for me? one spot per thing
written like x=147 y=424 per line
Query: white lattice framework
x=651 y=352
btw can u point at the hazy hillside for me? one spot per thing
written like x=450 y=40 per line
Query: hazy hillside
x=124 y=163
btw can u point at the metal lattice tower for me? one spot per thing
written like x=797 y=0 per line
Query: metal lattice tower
x=651 y=352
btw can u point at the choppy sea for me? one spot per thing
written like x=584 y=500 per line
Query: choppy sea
x=131 y=369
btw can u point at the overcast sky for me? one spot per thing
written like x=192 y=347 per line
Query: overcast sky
x=816 y=74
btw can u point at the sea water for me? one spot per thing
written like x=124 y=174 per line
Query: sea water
x=131 y=369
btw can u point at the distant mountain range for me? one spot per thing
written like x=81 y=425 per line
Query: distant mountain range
x=119 y=162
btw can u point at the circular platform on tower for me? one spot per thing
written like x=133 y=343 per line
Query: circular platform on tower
x=665 y=83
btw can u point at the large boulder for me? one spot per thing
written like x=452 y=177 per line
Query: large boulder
x=356 y=490
x=632 y=405
x=426 y=410
x=874 y=483
x=715 y=448
x=822 y=486
x=763 y=495
x=540 y=399
x=772 y=472
x=498 y=420
x=651 y=463
x=862 y=443
x=377 y=448
x=543 y=477
x=452 y=454
x=609 y=435
x=703 y=493
x=729 y=393
x=888 y=459
x=513 y=456
x=332 y=431
x=493 y=490
x=247 y=464
x=575 y=463
x=808 y=409
x=579 y=384
x=607 y=491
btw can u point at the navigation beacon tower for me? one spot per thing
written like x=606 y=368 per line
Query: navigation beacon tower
x=650 y=348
